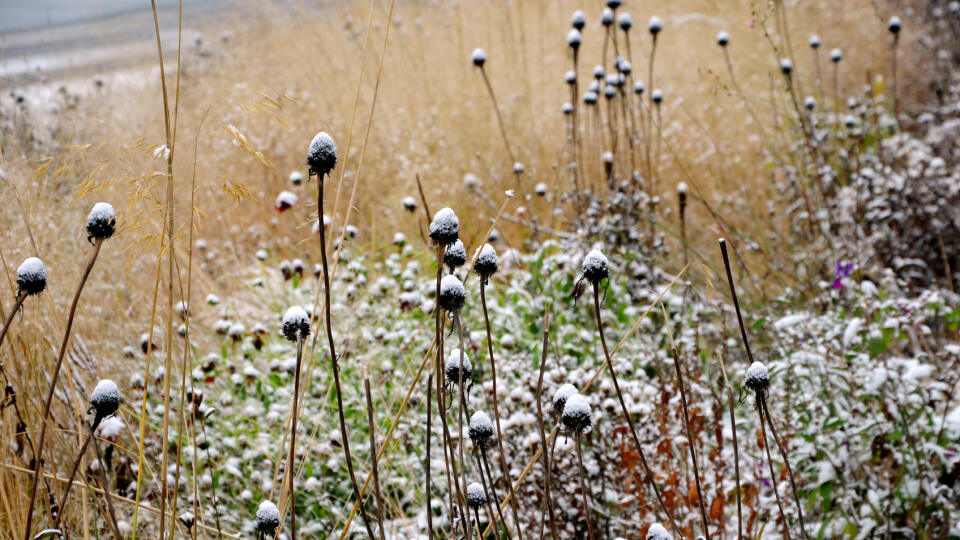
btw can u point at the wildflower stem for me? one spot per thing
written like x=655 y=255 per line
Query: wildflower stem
x=496 y=409
x=583 y=485
x=426 y=468
x=623 y=406
x=492 y=495
x=736 y=448
x=73 y=475
x=373 y=455
x=291 y=461
x=547 y=502
x=773 y=477
x=16 y=307
x=783 y=454
x=463 y=405
x=690 y=441
x=111 y=513
x=333 y=360
x=736 y=302
x=38 y=456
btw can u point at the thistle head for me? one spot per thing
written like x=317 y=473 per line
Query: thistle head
x=595 y=267
x=757 y=378
x=455 y=255
x=31 y=277
x=445 y=227
x=476 y=496
x=295 y=324
x=452 y=293
x=102 y=222
x=322 y=154
x=577 y=416
x=268 y=518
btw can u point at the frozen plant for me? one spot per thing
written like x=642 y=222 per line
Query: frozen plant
x=102 y=222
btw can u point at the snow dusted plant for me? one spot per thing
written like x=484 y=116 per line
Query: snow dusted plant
x=577 y=419
x=445 y=227
x=295 y=326
x=457 y=368
x=455 y=255
x=578 y=20
x=658 y=532
x=101 y=223
x=31 y=277
x=268 y=519
x=285 y=201
x=322 y=155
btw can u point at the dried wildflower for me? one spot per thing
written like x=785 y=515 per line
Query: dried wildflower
x=295 y=324
x=657 y=96
x=625 y=21
x=658 y=532
x=476 y=496
x=452 y=293
x=451 y=368
x=578 y=20
x=577 y=417
x=560 y=397
x=268 y=518
x=814 y=41
x=894 y=25
x=445 y=227
x=606 y=17
x=518 y=168
x=723 y=38
x=540 y=189
x=638 y=88
x=590 y=98
x=595 y=267
x=471 y=180
x=105 y=400
x=567 y=108
x=574 y=39
x=478 y=57
x=409 y=204
x=285 y=201
x=809 y=103
x=786 y=66
x=102 y=222
x=570 y=77
x=486 y=263
x=399 y=239
x=655 y=25
x=836 y=55
x=322 y=154
x=757 y=378
x=31 y=277
x=296 y=178
x=481 y=428
x=598 y=72
x=455 y=255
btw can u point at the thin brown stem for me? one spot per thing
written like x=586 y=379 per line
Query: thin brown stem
x=440 y=250
x=373 y=455
x=111 y=513
x=16 y=307
x=38 y=456
x=547 y=502
x=291 y=461
x=583 y=487
x=485 y=469
x=690 y=442
x=783 y=454
x=460 y=408
x=736 y=448
x=736 y=302
x=73 y=475
x=503 y=129
x=773 y=476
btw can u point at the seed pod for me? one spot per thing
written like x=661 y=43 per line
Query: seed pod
x=487 y=262
x=655 y=25
x=757 y=378
x=574 y=39
x=894 y=25
x=577 y=416
x=570 y=77
x=296 y=178
x=567 y=108
x=455 y=255
x=786 y=66
x=31 y=277
x=409 y=204
x=578 y=20
x=809 y=103
x=295 y=324
x=479 y=57
x=540 y=189
x=445 y=227
x=452 y=293
x=105 y=400
x=285 y=201
x=476 y=496
x=102 y=222
x=723 y=39
x=638 y=88
x=836 y=55
x=595 y=267
x=625 y=21
x=268 y=518
x=322 y=154
x=606 y=17
x=657 y=96
x=814 y=41
x=451 y=368
x=481 y=428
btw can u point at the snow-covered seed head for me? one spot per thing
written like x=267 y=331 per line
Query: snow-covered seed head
x=352 y=231
x=577 y=416
x=595 y=267
x=625 y=21
x=657 y=96
x=452 y=293
x=105 y=399
x=606 y=17
x=625 y=67
x=814 y=41
x=455 y=255
x=607 y=157
x=786 y=66
x=471 y=180
x=479 y=57
x=598 y=72
x=809 y=103
x=570 y=77
x=518 y=168
x=295 y=323
x=850 y=121
x=836 y=55
x=445 y=227
x=487 y=262
x=102 y=221
x=658 y=532
x=540 y=189
x=723 y=39
x=655 y=25
x=476 y=496
x=614 y=4
x=638 y=88
x=574 y=38
x=399 y=239
x=296 y=178
x=894 y=24
x=409 y=204
x=31 y=277
x=578 y=20
x=285 y=201
x=322 y=154
x=590 y=98
x=610 y=91
x=568 y=108
x=682 y=188
x=757 y=378
x=268 y=518
x=481 y=428
x=187 y=519
x=451 y=368
x=110 y=429
x=560 y=397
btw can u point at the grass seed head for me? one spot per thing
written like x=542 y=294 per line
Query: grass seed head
x=322 y=154
x=102 y=221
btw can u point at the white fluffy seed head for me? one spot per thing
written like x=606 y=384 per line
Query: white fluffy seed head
x=476 y=496
x=452 y=293
x=295 y=323
x=560 y=397
x=723 y=38
x=757 y=378
x=31 y=277
x=455 y=255
x=655 y=25
x=322 y=154
x=814 y=41
x=487 y=263
x=595 y=267
x=574 y=38
x=481 y=428
x=658 y=532
x=836 y=55
x=478 y=57
x=577 y=416
x=268 y=518
x=451 y=368
x=105 y=399
x=102 y=221
x=445 y=227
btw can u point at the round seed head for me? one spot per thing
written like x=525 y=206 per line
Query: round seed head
x=296 y=178
x=105 y=399
x=570 y=77
x=682 y=188
x=268 y=518
x=836 y=55
x=560 y=397
x=849 y=121
x=31 y=277
x=479 y=57
x=606 y=17
x=399 y=239
x=471 y=180
x=657 y=96
x=625 y=67
x=518 y=168
x=573 y=38
x=568 y=108
x=577 y=416
x=452 y=293
x=102 y=221
x=658 y=532
x=609 y=91
x=455 y=255
x=476 y=496
x=786 y=66
x=487 y=262
x=595 y=266
x=809 y=103
x=285 y=201
x=481 y=428
x=757 y=378
x=614 y=4
x=540 y=189
x=814 y=41
x=655 y=25
x=625 y=21
x=451 y=368
x=894 y=25
x=445 y=227
x=590 y=98
x=295 y=324
x=409 y=204
x=723 y=39
x=322 y=154
x=638 y=88
x=578 y=20
x=607 y=157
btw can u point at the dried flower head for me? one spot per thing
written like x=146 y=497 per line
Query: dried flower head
x=809 y=103
x=894 y=25
x=31 y=277
x=487 y=262
x=638 y=88
x=595 y=267
x=451 y=368
x=836 y=55
x=476 y=496
x=625 y=21
x=471 y=180
x=322 y=154
x=268 y=518
x=452 y=293
x=445 y=227
x=568 y=108
x=481 y=428
x=814 y=41
x=518 y=168
x=577 y=417
x=560 y=397
x=570 y=77
x=657 y=96
x=757 y=378
x=786 y=66
x=105 y=400
x=606 y=17
x=295 y=324
x=455 y=255
x=479 y=57
x=102 y=222
x=658 y=532
x=540 y=189
x=285 y=201
x=578 y=20
x=296 y=178
x=655 y=25
x=574 y=39
x=590 y=98
x=409 y=204
x=723 y=38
